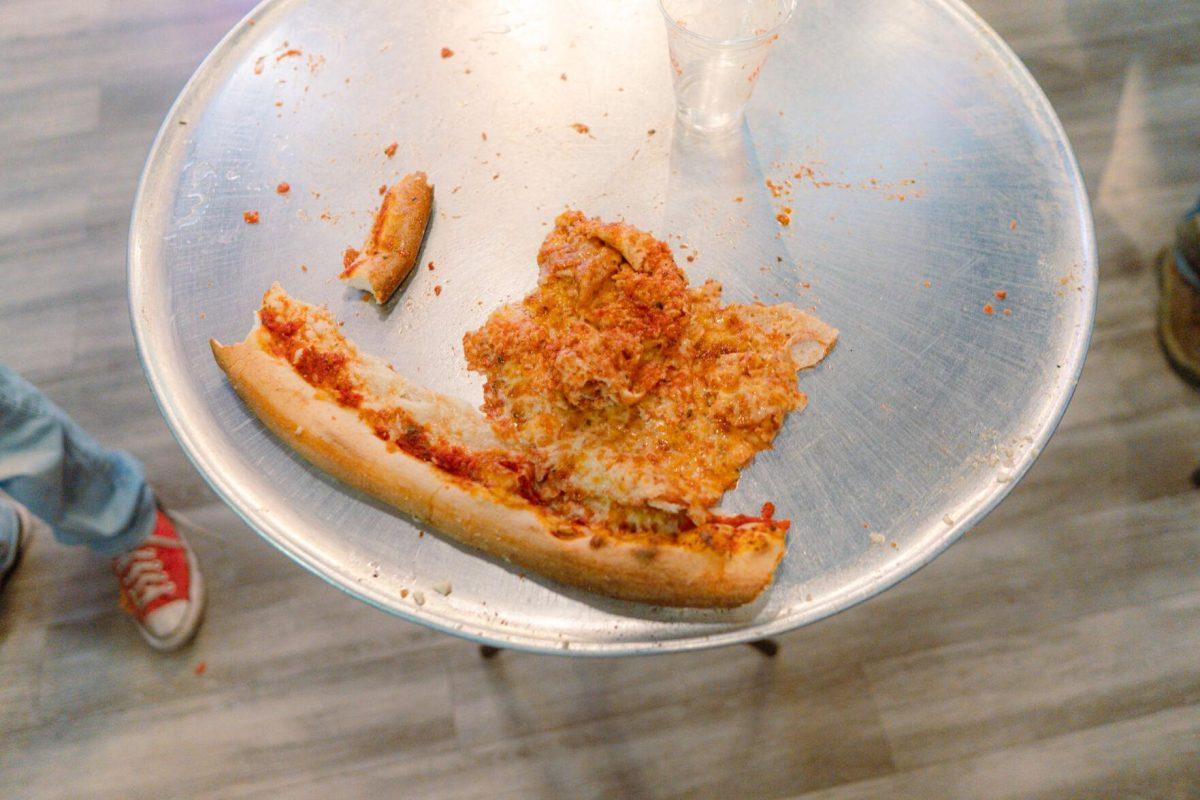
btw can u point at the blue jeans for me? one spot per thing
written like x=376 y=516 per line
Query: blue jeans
x=86 y=493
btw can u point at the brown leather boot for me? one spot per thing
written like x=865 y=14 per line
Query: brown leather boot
x=1179 y=303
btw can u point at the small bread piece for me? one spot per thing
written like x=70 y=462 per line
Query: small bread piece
x=353 y=416
x=392 y=247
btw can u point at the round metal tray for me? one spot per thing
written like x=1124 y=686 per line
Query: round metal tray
x=927 y=172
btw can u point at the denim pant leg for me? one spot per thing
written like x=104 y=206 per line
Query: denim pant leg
x=10 y=526
x=86 y=493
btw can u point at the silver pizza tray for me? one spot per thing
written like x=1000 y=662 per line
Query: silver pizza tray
x=932 y=173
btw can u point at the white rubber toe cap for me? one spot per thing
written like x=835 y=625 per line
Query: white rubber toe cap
x=165 y=620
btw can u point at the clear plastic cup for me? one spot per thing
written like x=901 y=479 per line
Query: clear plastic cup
x=717 y=49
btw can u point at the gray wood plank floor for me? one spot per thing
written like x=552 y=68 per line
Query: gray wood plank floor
x=1053 y=653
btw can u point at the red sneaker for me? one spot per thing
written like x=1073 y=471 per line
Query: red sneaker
x=161 y=586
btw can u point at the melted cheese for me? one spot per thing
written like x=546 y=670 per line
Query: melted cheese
x=311 y=331
x=636 y=390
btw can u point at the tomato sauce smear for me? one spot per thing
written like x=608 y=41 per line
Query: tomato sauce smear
x=764 y=517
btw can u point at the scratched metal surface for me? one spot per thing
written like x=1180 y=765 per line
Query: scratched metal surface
x=933 y=156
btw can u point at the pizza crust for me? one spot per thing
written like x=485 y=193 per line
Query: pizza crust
x=392 y=247
x=334 y=439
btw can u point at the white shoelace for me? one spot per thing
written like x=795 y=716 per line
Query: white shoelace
x=142 y=574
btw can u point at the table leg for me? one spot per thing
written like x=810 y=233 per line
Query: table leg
x=768 y=647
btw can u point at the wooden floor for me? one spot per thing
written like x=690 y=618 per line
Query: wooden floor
x=1053 y=653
